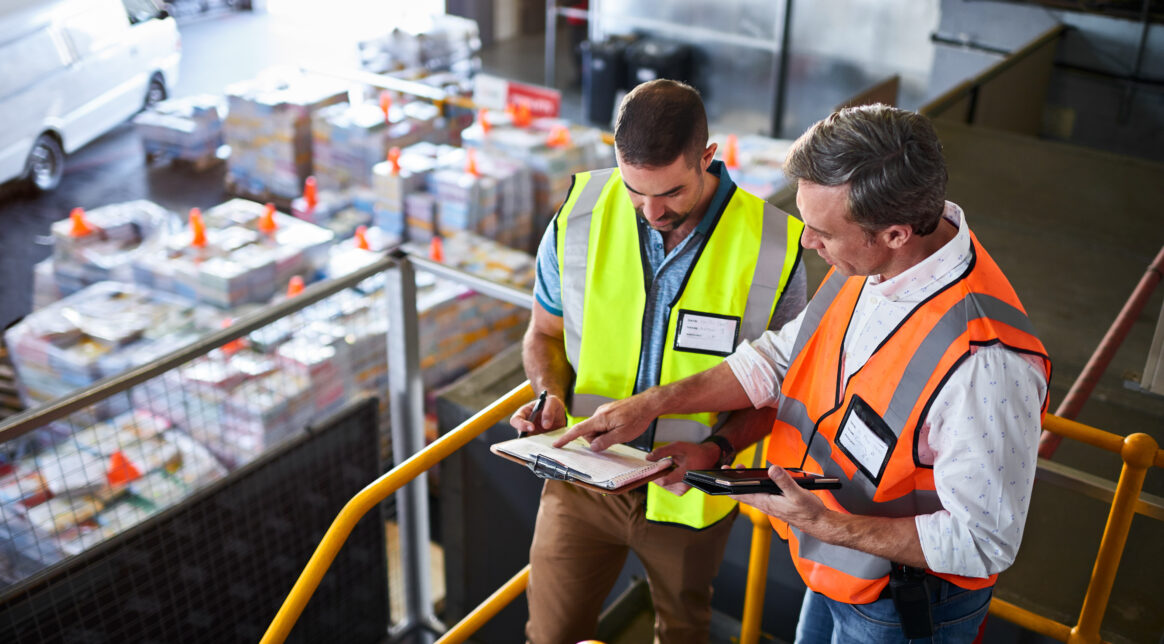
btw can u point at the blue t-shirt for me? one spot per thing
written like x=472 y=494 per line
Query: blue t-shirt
x=666 y=273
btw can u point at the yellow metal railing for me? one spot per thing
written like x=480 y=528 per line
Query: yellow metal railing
x=488 y=608
x=376 y=492
x=1139 y=452
x=757 y=575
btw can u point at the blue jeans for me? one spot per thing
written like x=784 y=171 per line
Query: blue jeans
x=957 y=614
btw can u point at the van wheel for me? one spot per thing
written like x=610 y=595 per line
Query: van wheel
x=46 y=164
x=156 y=92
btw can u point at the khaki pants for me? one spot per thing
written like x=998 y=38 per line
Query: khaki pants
x=580 y=544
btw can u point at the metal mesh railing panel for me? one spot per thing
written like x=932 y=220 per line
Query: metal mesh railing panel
x=216 y=567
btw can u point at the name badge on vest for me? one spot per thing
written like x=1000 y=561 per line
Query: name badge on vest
x=866 y=439
x=708 y=333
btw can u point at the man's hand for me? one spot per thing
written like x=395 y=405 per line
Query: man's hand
x=685 y=456
x=797 y=506
x=613 y=423
x=892 y=538
x=551 y=417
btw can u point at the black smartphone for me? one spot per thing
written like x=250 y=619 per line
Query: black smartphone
x=752 y=480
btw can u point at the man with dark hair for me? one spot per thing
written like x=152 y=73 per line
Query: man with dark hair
x=914 y=376
x=637 y=259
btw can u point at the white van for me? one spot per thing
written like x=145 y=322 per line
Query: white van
x=70 y=70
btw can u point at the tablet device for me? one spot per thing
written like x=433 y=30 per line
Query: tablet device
x=753 y=480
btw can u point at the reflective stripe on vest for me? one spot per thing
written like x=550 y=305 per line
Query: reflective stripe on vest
x=754 y=248
x=900 y=382
x=574 y=231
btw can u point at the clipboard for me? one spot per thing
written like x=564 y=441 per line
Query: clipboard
x=545 y=466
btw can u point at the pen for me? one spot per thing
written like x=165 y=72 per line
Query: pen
x=535 y=411
x=538 y=407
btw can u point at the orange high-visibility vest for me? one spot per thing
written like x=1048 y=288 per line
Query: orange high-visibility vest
x=897 y=383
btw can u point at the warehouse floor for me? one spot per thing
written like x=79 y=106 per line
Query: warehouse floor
x=1074 y=230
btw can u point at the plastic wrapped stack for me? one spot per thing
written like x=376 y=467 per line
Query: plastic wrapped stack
x=247 y=253
x=552 y=149
x=465 y=200
x=99 y=331
x=237 y=403
x=432 y=43
x=366 y=246
x=399 y=186
x=98 y=245
x=342 y=216
x=350 y=139
x=755 y=162
x=268 y=128
x=511 y=223
x=188 y=128
x=459 y=328
x=94 y=483
x=443 y=189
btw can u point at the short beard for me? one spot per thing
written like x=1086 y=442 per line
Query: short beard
x=675 y=220
x=678 y=220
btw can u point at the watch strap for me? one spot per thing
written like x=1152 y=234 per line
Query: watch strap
x=726 y=452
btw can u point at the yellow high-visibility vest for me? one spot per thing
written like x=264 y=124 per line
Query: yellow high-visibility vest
x=735 y=282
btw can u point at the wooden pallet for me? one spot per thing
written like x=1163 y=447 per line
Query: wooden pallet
x=10 y=404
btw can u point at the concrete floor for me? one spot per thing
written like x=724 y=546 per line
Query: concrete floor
x=1073 y=229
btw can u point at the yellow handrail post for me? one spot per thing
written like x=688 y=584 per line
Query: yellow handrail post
x=757 y=575
x=1029 y=620
x=377 y=491
x=1139 y=453
x=488 y=609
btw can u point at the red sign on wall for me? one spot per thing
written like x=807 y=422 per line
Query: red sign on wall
x=498 y=93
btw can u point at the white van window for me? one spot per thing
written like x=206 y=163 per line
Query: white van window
x=95 y=29
x=140 y=10
x=26 y=60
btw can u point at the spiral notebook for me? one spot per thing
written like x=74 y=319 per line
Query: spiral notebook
x=616 y=469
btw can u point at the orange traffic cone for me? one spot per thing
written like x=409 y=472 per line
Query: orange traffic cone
x=234 y=346
x=559 y=137
x=471 y=162
x=394 y=159
x=81 y=225
x=197 y=229
x=522 y=116
x=483 y=119
x=267 y=223
x=731 y=152
x=362 y=238
x=310 y=194
x=121 y=470
x=295 y=286
x=385 y=103
x=436 y=249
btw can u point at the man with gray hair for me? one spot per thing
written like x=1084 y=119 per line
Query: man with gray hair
x=914 y=376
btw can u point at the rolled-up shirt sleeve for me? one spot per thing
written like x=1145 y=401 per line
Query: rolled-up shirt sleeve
x=548 y=283
x=982 y=436
x=760 y=365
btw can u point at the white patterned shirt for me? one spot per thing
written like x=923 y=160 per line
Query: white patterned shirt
x=981 y=433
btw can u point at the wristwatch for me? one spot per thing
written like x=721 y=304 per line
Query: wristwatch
x=727 y=453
